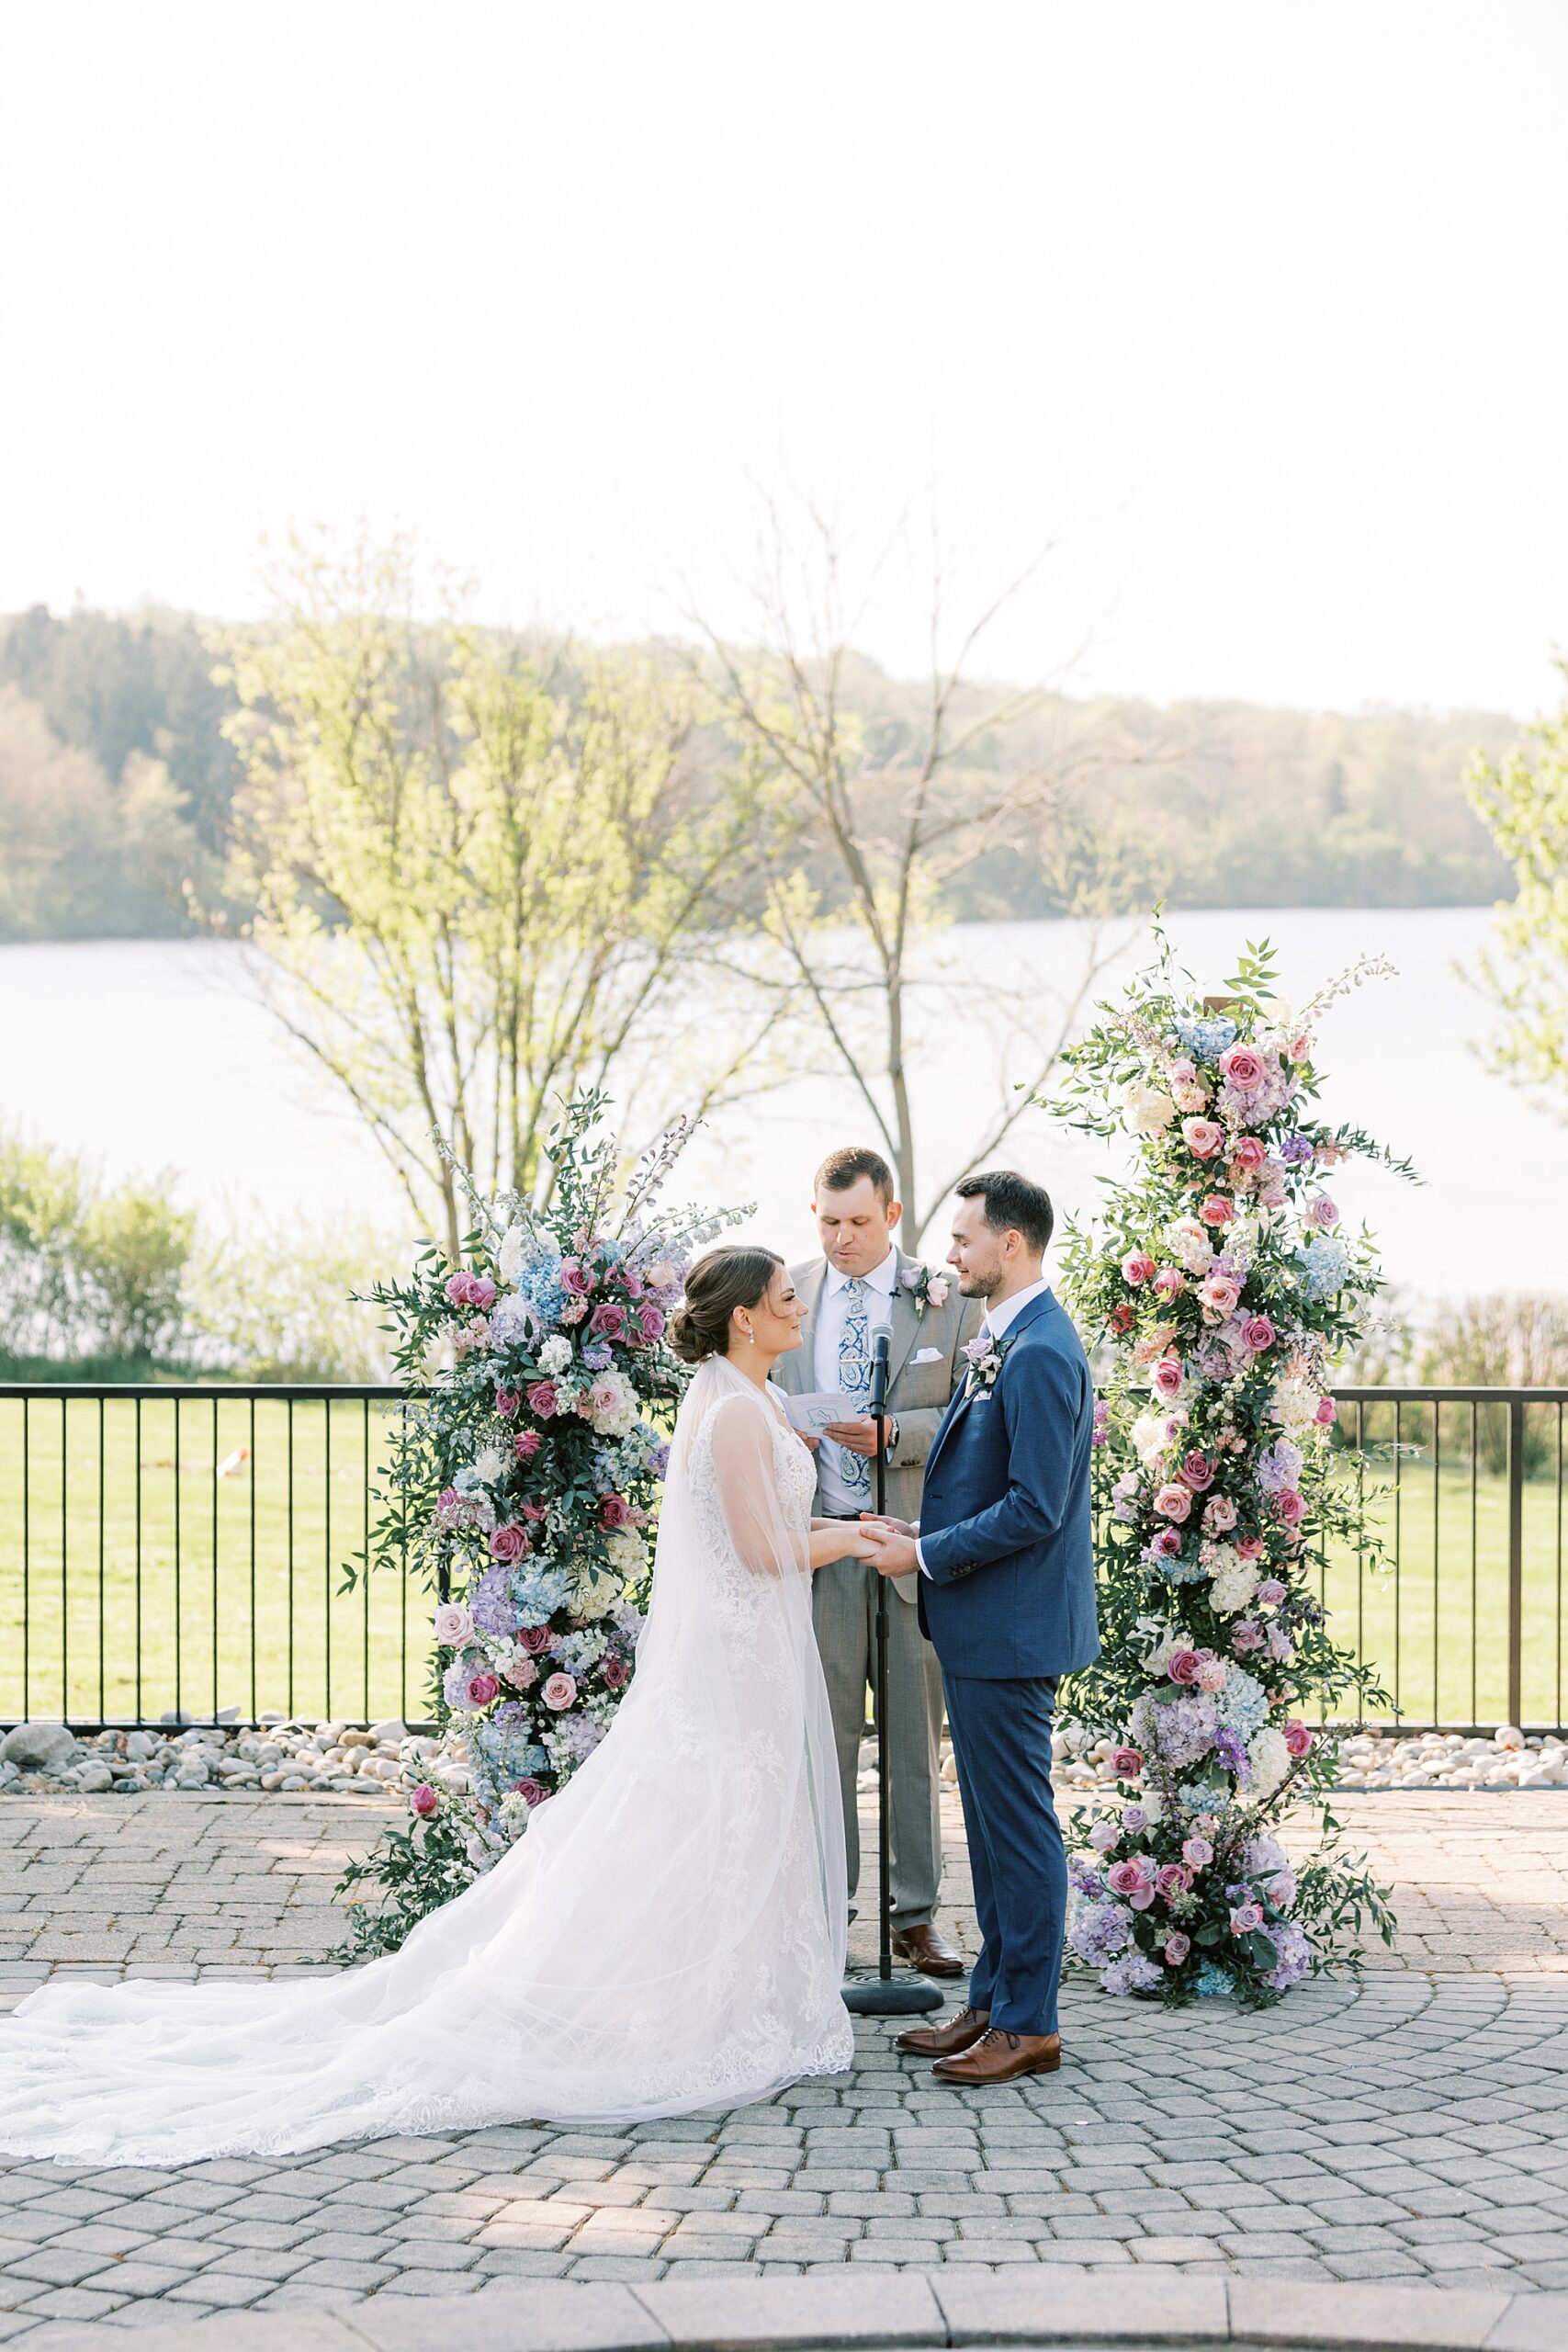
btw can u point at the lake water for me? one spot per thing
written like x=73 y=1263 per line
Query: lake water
x=149 y=1056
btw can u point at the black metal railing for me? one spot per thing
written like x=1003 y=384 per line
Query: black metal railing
x=166 y=1549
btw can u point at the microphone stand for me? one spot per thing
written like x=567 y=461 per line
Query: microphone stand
x=885 y=1995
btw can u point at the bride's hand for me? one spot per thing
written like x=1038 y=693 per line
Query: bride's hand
x=884 y=1519
x=859 y=1543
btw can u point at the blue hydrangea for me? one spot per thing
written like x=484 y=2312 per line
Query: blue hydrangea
x=1325 y=1265
x=491 y=1604
x=538 y=1592
x=539 y=1282
x=1206 y=1039
x=1243 y=1705
x=1211 y=1984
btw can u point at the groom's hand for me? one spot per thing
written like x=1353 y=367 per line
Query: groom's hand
x=857 y=1436
x=894 y=1556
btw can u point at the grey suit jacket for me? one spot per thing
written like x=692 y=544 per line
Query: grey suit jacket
x=918 y=1394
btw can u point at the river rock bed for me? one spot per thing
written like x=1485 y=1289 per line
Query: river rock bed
x=338 y=1757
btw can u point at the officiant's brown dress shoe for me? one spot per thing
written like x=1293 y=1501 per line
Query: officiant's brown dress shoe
x=961 y=2032
x=927 y=1950
x=1000 y=2057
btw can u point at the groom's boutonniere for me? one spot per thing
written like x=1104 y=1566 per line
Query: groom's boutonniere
x=986 y=1357
x=926 y=1288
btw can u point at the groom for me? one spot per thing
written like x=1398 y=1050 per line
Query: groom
x=1004 y=1557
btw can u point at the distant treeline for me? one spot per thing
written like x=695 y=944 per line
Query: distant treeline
x=116 y=784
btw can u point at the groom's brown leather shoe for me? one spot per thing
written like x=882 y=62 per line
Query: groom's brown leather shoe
x=927 y=1950
x=960 y=2033
x=1000 y=2057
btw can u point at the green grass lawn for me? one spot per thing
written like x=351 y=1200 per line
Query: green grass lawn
x=127 y=1586
x=150 y=1599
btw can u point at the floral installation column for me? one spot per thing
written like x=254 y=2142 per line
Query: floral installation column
x=525 y=1484
x=1222 y=1286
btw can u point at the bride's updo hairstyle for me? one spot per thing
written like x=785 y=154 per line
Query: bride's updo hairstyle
x=727 y=1278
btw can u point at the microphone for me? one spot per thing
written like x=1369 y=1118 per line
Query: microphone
x=879 y=1374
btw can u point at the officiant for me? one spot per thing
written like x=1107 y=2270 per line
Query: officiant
x=862 y=1283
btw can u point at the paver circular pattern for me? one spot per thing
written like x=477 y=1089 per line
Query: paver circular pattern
x=1413 y=2128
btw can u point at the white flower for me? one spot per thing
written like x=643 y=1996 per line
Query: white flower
x=511 y=1319
x=491 y=1465
x=1295 y=1404
x=509 y=1257
x=1150 y=1436
x=1169 y=1640
x=1149 y=1110
x=1270 y=1761
x=1232 y=1589
x=1154 y=1807
x=555 y=1355
x=594 y=1591
x=1189 y=1241
x=610 y=1403
x=627 y=1550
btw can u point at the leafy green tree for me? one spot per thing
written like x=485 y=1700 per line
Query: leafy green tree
x=88 y=1270
x=485 y=873
x=1524 y=798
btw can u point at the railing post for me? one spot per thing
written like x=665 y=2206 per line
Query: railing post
x=1516 y=1558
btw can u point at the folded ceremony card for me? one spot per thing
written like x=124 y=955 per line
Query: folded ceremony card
x=813 y=1413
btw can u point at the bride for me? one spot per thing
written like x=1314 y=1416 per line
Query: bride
x=668 y=1935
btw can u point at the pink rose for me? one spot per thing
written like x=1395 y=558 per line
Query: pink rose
x=423 y=1800
x=937 y=1290
x=1125 y=1878
x=1327 y=1413
x=608 y=1319
x=1259 y=1334
x=457 y=1289
x=1250 y=1548
x=559 y=1692
x=1177 y=1947
x=544 y=1399
x=1216 y=1210
x=1300 y=1048
x=1142 y=1898
x=1198 y=1852
x=1219 y=1515
x=1102 y=1837
x=453 y=1626
x=1322 y=1211
x=1169 y=1282
x=1246 y=1637
x=526 y=1443
x=507 y=1404
x=1172 y=1878
x=1137 y=1267
x=509 y=1542
x=1270 y=1592
x=1202 y=1138
x=1173 y=1502
x=650 y=1322
x=534 y=1639
x=1168 y=1544
x=1126 y=1763
x=448 y=1499
x=481 y=1689
x=1249 y=1153
x=617 y=1673
x=534 y=1511
x=1242 y=1067
x=1184 y=1667
x=1298 y=1739
x=481 y=1293
x=1218 y=1294
x=1245 y=1918
x=1167 y=1377
x=1292 y=1510
x=531 y=1792
x=615 y=1511
x=575 y=1277
x=1198 y=1471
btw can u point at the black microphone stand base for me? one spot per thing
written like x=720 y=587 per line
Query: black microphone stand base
x=891 y=1997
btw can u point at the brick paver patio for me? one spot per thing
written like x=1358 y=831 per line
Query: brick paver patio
x=1412 y=2128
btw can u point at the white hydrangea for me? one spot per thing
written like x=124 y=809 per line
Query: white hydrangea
x=1149 y=1110
x=555 y=1355
x=594 y=1592
x=627 y=1550
x=1168 y=1640
x=1148 y=1435
x=610 y=1403
x=1232 y=1589
x=509 y=1257
x=1189 y=1241
x=1270 y=1761
x=491 y=1465
x=1242 y=1238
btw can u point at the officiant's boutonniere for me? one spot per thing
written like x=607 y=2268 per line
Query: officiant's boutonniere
x=926 y=1288
x=986 y=1359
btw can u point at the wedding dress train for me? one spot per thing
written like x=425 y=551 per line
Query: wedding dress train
x=668 y=1935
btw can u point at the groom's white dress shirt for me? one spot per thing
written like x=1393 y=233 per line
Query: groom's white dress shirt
x=880 y=1285
x=998 y=1317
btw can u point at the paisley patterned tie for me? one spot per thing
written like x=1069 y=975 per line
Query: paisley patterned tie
x=855 y=1379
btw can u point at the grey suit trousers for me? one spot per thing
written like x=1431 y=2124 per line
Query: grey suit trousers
x=843 y=1604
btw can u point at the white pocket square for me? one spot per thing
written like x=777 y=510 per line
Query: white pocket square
x=926 y=1355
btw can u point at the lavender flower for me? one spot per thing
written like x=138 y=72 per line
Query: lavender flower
x=1132 y=1973
x=1096 y=1930
x=1184 y=1729
x=1294 y=1955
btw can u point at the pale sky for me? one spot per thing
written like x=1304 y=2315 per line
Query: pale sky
x=1255 y=311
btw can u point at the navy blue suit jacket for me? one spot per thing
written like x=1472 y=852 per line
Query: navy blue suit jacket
x=1004 y=1527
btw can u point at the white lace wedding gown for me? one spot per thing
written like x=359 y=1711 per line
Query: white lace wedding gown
x=668 y=1935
